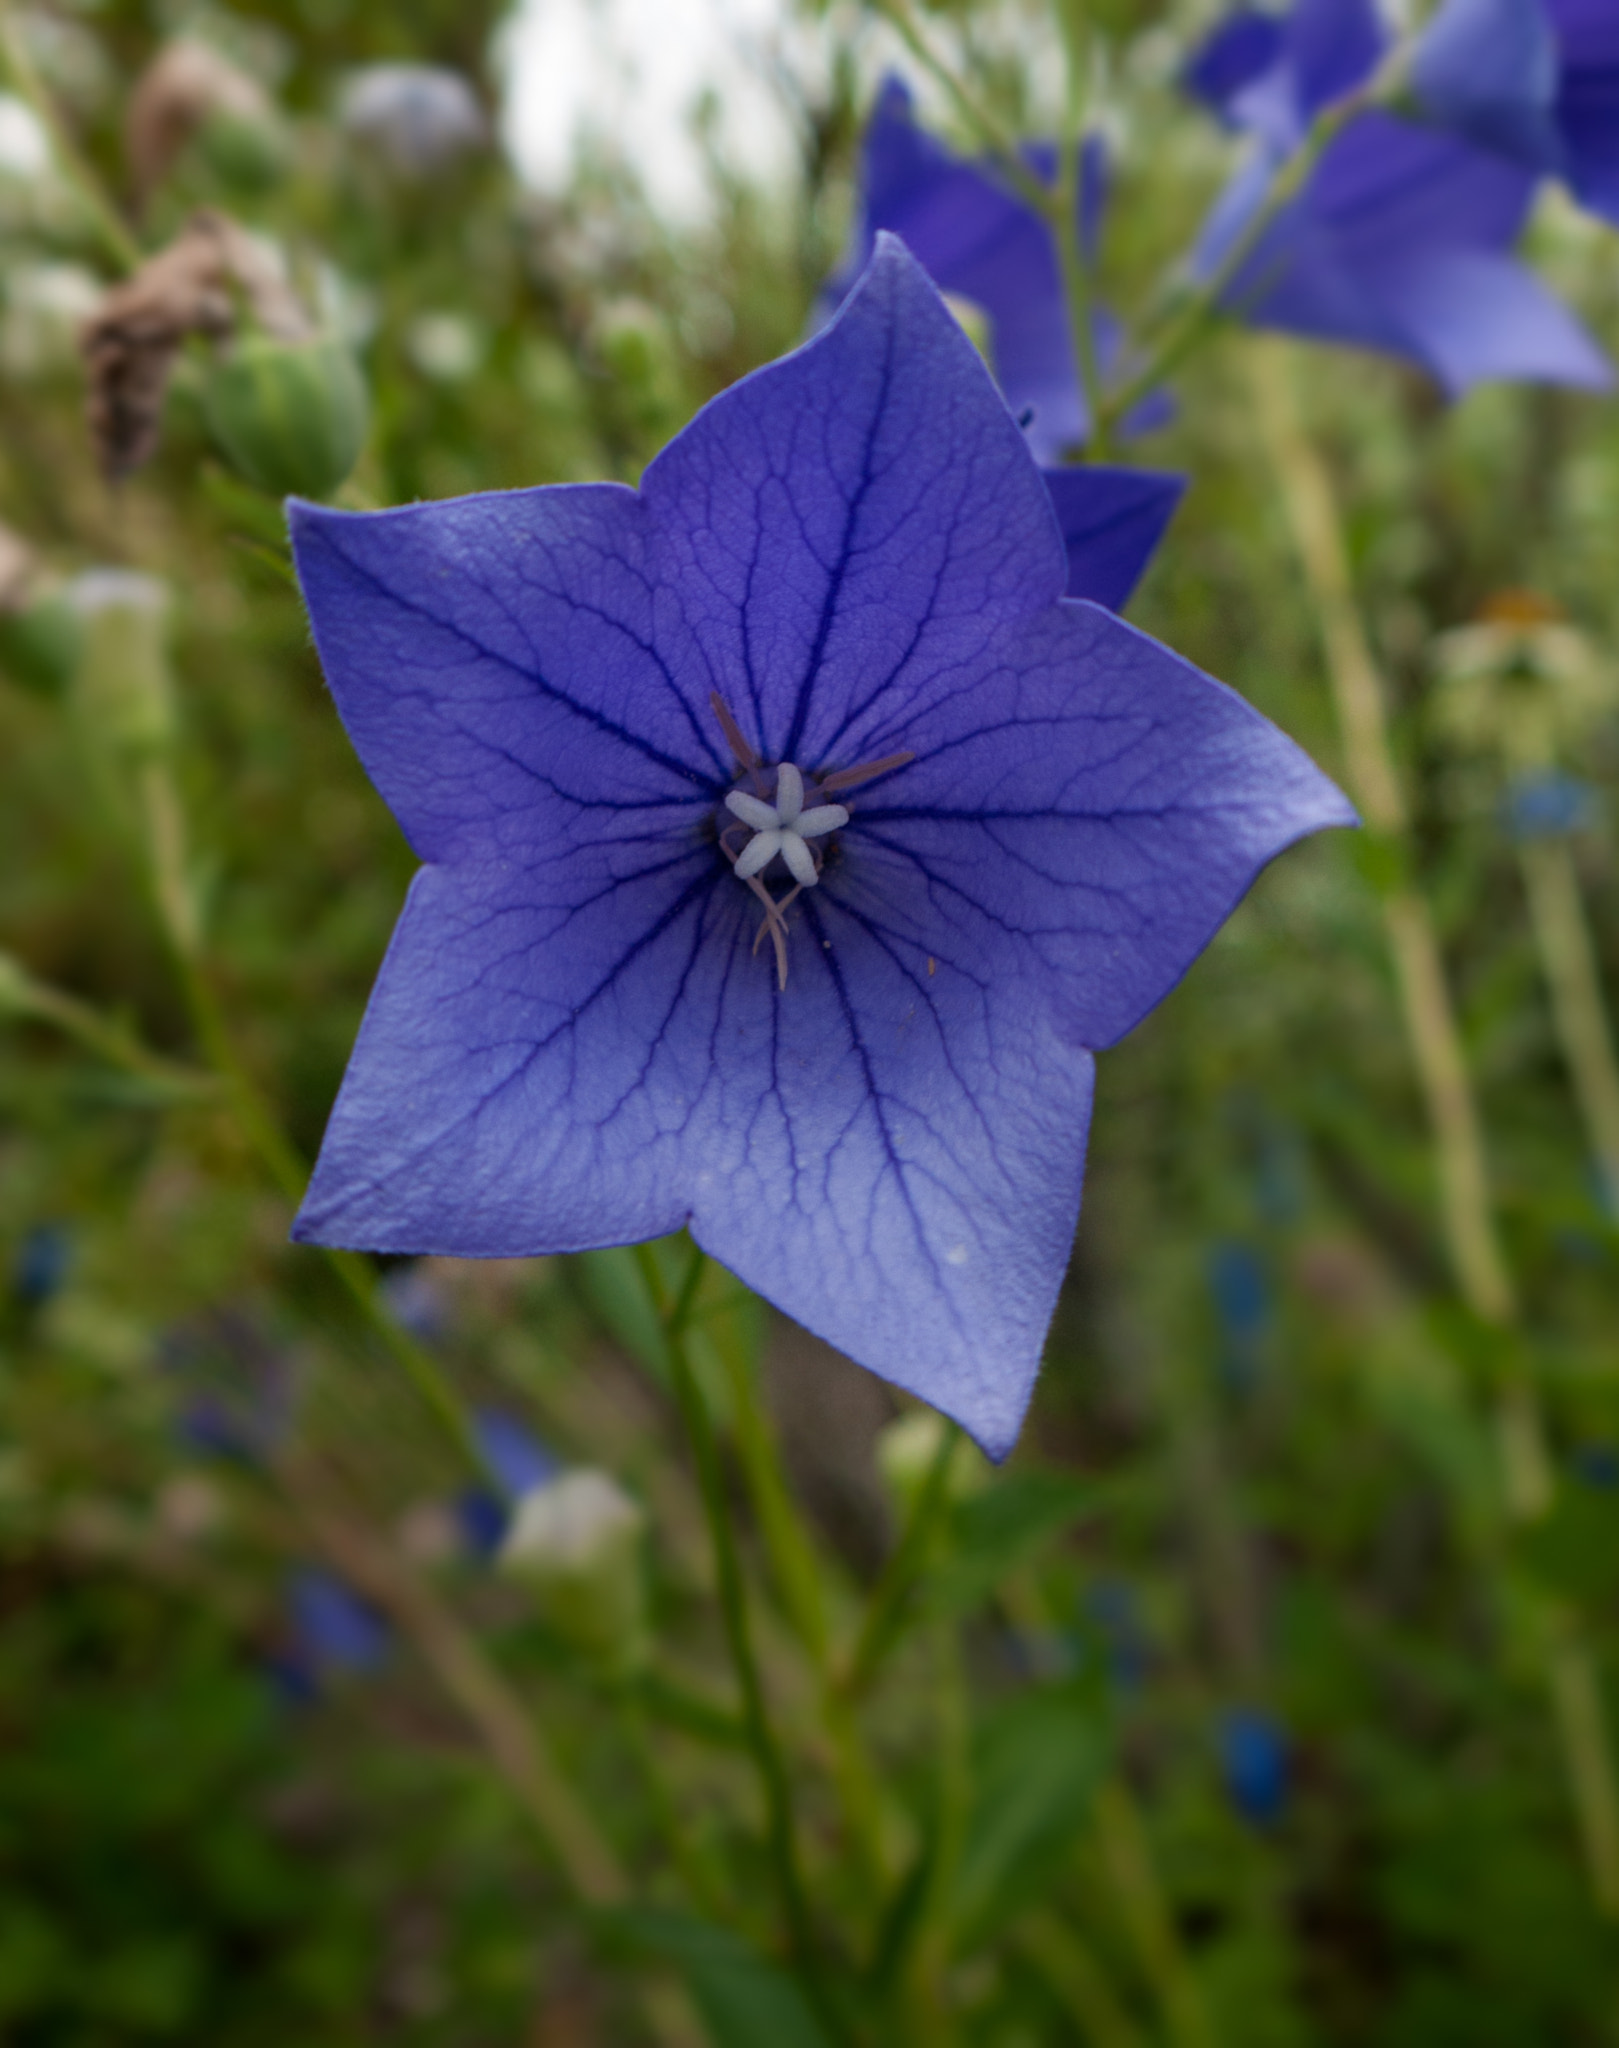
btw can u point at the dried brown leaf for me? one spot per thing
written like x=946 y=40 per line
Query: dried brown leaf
x=185 y=83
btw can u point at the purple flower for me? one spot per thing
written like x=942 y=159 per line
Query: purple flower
x=331 y=1633
x=1401 y=239
x=1253 y=1763
x=1112 y=521
x=421 y=117
x=977 y=239
x=1537 y=80
x=862 y=1074
x=517 y=1462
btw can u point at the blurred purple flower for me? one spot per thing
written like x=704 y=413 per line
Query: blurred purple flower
x=517 y=1461
x=1401 y=238
x=1112 y=521
x=1536 y=80
x=603 y=717
x=421 y=117
x=1240 y=1287
x=978 y=240
x=1549 y=805
x=42 y=1263
x=238 y=1388
x=1254 y=1765
x=331 y=1633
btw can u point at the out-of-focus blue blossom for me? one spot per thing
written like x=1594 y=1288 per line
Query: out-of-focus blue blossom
x=1401 y=239
x=1111 y=1612
x=331 y=1633
x=517 y=1461
x=588 y=706
x=421 y=117
x=1549 y=806
x=1597 y=1465
x=238 y=1389
x=1112 y=521
x=1244 y=47
x=977 y=239
x=1253 y=1764
x=1241 y=1291
x=41 y=1265
x=414 y=1300
x=1536 y=80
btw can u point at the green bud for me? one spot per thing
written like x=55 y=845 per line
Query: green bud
x=40 y=645
x=907 y=1447
x=290 y=416
x=121 y=684
x=246 y=154
x=575 y=1543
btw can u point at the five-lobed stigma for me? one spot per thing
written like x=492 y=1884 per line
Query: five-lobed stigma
x=783 y=822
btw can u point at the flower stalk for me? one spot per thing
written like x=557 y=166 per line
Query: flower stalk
x=1477 y=1257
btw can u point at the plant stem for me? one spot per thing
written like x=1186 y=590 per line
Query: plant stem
x=1477 y=1258
x=780 y=1821
x=1568 y=959
x=1078 y=1980
x=885 y=1611
x=21 y=995
x=995 y=139
x=119 y=243
x=1068 y=231
x=164 y=833
x=1127 y=1857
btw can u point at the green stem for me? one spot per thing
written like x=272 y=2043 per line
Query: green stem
x=1067 y=226
x=120 y=244
x=885 y=1612
x=163 y=821
x=23 y=996
x=1568 y=960
x=1127 y=1856
x=1440 y=1057
x=780 y=1820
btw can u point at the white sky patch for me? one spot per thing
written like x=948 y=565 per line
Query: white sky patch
x=24 y=151
x=629 y=73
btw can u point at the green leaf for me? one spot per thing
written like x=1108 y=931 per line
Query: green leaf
x=1038 y=1765
x=745 y=2001
x=1574 y=1547
x=614 y=1285
x=994 y=1532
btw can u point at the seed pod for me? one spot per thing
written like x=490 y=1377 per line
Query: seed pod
x=289 y=416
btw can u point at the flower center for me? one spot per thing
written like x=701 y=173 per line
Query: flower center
x=771 y=824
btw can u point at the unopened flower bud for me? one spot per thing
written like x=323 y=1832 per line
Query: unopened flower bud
x=575 y=1542
x=420 y=117
x=122 y=681
x=190 y=89
x=907 y=1447
x=290 y=416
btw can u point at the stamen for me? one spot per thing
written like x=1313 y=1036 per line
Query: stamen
x=746 y=758
x=851 y=778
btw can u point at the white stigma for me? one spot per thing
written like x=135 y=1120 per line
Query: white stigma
x=783 y=827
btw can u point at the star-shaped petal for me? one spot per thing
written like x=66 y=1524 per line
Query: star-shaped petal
x=573 y=1041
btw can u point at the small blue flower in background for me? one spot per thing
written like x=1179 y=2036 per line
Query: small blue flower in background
x=1253 y=1764
x=1111 y=1611
x=420 y=117
x=517 y=1461
x=238 y=1388
x=1401 y=239
x=819 y=664
x=42 y=1263
x=1597 y=1465
x=1549 y=805
x=1240 y=1287
x=414 y=1300
x=977 y=239
x=331 y=1634
x=1536 y=80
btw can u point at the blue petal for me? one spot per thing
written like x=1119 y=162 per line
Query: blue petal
x=1244 y=47
x=572 y=1042
x=1588 y=99
x=1401 y=243
x=1112 y=520
x=1487 y=70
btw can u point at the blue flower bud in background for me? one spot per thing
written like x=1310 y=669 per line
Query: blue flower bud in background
x=41 y=1264
x=332 y=1634
x=1549 y=806
x=1240 y=1288
x=1253 y=1764
x=419 y=117
x=517 y=1461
